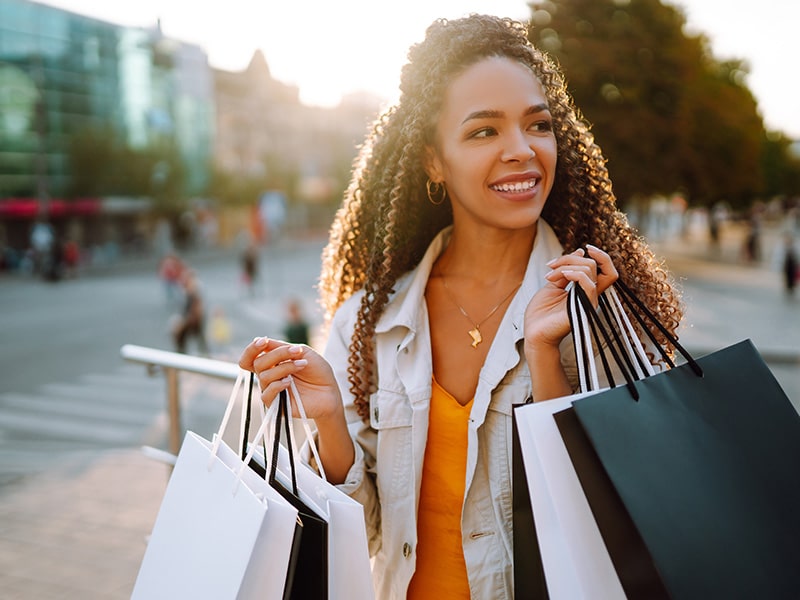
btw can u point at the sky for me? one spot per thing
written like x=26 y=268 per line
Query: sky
x=332 y=47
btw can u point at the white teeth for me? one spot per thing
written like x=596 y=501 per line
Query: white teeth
x=520 y=186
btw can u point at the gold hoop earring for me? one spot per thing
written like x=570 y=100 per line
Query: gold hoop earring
x=436 y=188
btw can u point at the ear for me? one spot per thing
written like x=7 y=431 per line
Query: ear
x=433 y=164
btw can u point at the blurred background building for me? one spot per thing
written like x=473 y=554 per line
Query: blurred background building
x=123 y=140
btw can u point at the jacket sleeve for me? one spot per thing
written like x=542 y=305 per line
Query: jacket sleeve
x=360 y=482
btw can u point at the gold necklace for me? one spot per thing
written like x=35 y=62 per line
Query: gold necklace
x=475 y=332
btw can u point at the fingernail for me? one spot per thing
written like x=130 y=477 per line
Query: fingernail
x=300 y=362
x=592 y=247
x=552 y=262
x=260 y=341
x=295 y=350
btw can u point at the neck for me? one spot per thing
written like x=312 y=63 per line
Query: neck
x=490 y=259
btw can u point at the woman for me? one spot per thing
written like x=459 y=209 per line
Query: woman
x=444 y=285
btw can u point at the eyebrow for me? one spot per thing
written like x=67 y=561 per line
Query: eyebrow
x=496 y=114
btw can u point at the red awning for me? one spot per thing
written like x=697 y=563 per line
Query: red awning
x=28 y=208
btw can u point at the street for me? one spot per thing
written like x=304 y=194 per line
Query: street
x=66 y=388
x=66 y=391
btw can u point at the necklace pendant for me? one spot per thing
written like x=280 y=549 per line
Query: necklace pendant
x=475 y=334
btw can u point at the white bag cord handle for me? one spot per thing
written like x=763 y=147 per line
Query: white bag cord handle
x=306 y=428
x=632 y=335
x=253 y=446
x=584 y=349
x=226 y=417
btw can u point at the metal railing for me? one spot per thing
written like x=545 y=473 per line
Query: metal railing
x=171 y=364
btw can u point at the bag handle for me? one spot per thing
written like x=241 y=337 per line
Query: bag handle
x=629 y=298
x=283 y=419
x=597 y=329
x=225 y=417
x=629 y=357
x=295 y=394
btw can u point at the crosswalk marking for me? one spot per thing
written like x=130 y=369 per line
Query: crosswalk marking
x=76 y=420
x=58 y=422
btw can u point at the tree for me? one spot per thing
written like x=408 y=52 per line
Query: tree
x=668 y=116
x=102 y=164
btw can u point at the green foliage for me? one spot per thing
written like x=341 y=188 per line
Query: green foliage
x=668 y=115
x=102 y=164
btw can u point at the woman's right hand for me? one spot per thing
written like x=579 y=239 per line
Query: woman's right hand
x=276 y=363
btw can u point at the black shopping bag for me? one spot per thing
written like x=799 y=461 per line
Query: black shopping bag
x=307 y=576
x=529 y=578
x=708 y=468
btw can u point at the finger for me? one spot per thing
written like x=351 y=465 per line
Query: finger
x=251 y=351
x=270 y=374
x=278 y=352
x=587 y=284
x=607 y=273
x=270 y=391
x=588 y=267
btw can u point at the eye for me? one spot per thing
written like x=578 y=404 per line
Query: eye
x=483 y=132
x=541 y=126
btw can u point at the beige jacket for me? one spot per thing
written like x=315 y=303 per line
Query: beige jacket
x=385 y=477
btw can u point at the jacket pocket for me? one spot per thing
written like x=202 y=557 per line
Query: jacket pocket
x=388 y=409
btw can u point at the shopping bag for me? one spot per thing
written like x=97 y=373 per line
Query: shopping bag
x=221 y=530
x=337 y=564
x=574 y=557
x=529 y=579
x=704 y=459
x=708 y=468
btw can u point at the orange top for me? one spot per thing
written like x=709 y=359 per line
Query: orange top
x=441 y=571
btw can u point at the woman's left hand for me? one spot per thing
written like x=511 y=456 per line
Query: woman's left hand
x=546 y=320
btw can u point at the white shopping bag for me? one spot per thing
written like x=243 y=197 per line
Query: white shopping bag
x=349 y=568
x=575 y=559
x=221 y=531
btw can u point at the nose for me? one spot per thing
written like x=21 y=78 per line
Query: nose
x=518 y=148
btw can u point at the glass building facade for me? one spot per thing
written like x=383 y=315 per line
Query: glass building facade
x=64 y=74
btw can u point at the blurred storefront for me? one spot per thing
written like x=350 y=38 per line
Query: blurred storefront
x=63 y=74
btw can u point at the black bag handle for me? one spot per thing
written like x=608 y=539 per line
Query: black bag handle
x=629 y=299
x=281 y=419
x=596 y=325
x=246 y=427
x=283 y=415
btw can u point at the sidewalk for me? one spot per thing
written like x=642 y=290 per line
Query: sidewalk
x=79 y=531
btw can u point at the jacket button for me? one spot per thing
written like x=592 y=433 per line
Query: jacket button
x=406 y=550
x=375 y=413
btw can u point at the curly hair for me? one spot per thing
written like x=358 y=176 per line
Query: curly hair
x=386 y=223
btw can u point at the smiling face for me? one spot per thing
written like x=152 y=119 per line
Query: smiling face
x=494 y=145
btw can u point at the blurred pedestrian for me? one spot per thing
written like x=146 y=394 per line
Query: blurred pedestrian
x=42 y=240
x=250 y=268
x=192 y=319
x=53 y=268
x=170 y=271
x=72 y=256
x=752 y=242
x=296 y=329
x=790 y=266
